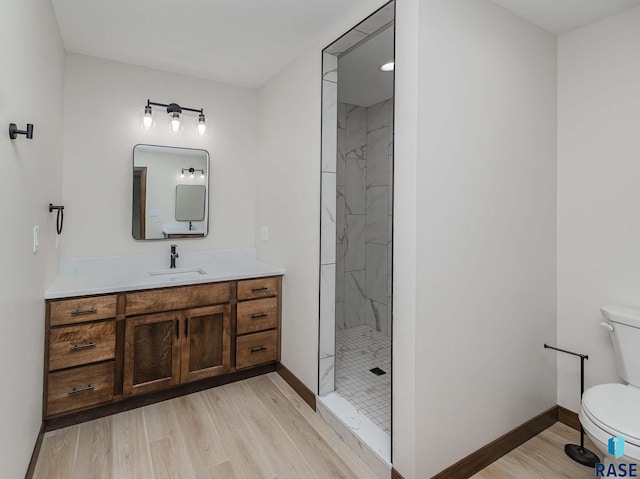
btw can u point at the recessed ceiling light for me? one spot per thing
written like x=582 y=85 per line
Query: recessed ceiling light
x=387 y=67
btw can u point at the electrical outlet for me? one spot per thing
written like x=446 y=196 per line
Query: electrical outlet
x=264 y=233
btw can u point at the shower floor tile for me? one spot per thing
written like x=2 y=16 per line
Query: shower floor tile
x=358 y=350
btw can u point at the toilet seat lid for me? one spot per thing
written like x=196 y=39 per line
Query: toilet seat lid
x=614 y=408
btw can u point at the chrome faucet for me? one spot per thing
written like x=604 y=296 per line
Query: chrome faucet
x=174 y=255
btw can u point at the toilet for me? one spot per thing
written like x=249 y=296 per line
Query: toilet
x=614 y=409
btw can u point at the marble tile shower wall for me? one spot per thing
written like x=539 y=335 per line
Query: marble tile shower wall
x=363 y=216
x=355 y=218
x=326 y=373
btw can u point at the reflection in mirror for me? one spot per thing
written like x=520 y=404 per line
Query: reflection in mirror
x=170 y=192
x=190 y=202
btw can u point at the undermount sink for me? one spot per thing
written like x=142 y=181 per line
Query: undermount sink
x=176 y=271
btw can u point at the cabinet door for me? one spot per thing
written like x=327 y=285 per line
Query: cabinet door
x=206 y=343
x=151 y=353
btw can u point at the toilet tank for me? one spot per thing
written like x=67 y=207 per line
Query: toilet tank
x=626 y=340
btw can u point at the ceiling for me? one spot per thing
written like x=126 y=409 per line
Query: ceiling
x=360 y=81
x=561 y=16
x=246 y=42
x=242 y=42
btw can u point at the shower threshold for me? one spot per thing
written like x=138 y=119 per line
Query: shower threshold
x=362 y=435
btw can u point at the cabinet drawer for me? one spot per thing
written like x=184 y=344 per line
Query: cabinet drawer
x=256 y=348
x=257 y=315
x=80 y=387
x=177 y=298
x=81 y=344
x=257 y=288
x=79 y=310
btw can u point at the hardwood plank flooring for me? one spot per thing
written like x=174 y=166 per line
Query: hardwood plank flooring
x=542 y=457
x=256 y=428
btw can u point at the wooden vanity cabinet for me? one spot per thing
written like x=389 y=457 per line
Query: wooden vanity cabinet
x=258 y=322
x=151 y=353
x=80 y=351
x=162 y=350
x=206 y=343
x=103 y=349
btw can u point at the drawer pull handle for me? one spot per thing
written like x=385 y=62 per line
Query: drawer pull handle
x=261 y=348
x=82 y=389
x=258 y=316
x=79 y=347
x=84 y=311
x=257 y=290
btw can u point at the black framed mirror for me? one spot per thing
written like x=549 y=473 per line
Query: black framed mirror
x=170 y=193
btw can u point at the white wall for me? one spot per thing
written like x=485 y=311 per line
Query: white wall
x=598 y=194
x=288 y=198
x=494 y=140
x=486 y=228
x=30 y=92
x=405 y=186
x=102 y=112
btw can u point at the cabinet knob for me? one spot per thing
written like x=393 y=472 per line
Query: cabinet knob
x=261 y=348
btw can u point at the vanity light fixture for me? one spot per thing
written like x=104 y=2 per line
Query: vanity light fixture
x=147 y=120
x=192 y=171
x=202 y=127
x=175 y=114
x=174 y=111
x=388 y=67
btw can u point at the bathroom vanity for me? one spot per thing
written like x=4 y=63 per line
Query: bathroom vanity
x=145 y=337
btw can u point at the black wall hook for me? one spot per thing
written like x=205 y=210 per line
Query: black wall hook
x=59 y=218
x=14 y=132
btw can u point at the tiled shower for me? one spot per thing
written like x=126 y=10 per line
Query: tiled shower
x=356 y=239
x=363 y=258
x=363 y=216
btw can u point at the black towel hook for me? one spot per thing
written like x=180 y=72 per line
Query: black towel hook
x=59 y=218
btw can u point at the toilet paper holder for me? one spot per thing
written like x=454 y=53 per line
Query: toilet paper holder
x=580 y=454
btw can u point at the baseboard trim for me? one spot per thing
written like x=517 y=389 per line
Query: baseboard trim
x=568 y=418
x=36 y=452
x=480 y=459
x=298 y=386
x=395 y=474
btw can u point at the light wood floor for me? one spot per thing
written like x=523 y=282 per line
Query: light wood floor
x=257 y=428
x=542 y=457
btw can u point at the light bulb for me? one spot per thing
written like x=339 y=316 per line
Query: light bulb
x=147 y=121
x=202 y=175
x=175 y=122
x=202 y=127
x=182 y=175
x=191 y=175
x=388 y=67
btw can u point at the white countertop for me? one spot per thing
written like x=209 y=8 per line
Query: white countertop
x=87 y=276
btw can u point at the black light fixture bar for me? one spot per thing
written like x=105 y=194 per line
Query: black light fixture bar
x=171 y=107
x=192 y=170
